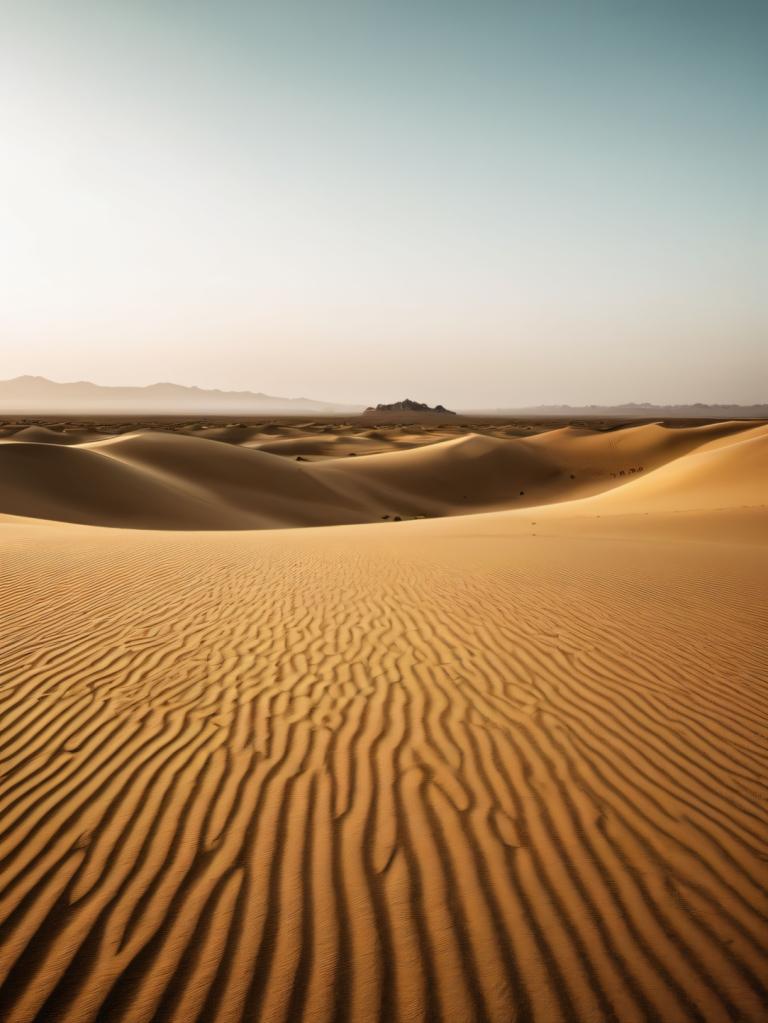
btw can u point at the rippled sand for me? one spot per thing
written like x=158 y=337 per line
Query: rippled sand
x=505 y=766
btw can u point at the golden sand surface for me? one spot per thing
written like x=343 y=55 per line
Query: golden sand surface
x=507 y=763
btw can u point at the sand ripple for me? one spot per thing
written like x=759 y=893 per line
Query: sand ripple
x=381 y=773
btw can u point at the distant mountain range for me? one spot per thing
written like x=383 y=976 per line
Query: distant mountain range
x=37 y=395
x=29 y=394
x=634 y=410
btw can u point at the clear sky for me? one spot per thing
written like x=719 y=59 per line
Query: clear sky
x=469 y=201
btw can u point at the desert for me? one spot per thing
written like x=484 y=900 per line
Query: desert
x=383 y=512
x=470 y=726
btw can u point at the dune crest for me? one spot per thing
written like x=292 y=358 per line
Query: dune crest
x=235 y=478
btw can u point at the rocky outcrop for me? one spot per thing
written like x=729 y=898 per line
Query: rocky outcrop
x=408 y=405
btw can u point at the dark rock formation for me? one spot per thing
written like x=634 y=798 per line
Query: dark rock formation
x=410 y=406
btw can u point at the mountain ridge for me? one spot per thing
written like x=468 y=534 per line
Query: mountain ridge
x=640 y=409
x=37 y=393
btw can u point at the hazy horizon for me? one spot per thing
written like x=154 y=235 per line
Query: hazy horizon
x=481 y=205
x=36 y=380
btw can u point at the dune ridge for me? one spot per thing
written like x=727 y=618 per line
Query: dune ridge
x=240 y=480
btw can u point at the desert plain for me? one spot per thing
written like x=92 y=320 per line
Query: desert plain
x=383 y=719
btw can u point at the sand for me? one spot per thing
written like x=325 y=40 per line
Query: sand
x=241 y=477
x=500 y=765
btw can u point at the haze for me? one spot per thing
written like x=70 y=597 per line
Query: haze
x=480 y=204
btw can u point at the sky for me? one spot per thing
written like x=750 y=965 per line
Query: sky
x=473 y=202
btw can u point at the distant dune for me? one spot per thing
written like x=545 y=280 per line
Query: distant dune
x=508 y=763
x=239 y=478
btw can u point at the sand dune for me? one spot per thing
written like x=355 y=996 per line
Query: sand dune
x=723 y=474
x=484 y=767
x=341 y=446
x=43 y=435
x=727 y=475
x=154 y=479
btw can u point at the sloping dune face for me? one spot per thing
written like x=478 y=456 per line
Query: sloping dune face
x=720 y=474
x=162 y=481
x=442 y=771
x=235 y=479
